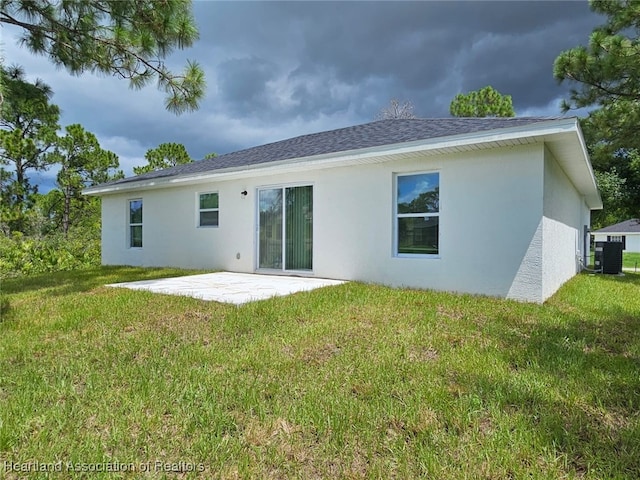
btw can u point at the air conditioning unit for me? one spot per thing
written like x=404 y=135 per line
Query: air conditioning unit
x=608 y=257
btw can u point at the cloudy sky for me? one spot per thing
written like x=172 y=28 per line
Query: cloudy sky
x=276 y=70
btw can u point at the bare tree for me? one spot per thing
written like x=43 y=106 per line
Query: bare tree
x=396 y=109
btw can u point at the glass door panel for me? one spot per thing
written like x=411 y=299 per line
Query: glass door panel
x=299 y=228
x=270 y=231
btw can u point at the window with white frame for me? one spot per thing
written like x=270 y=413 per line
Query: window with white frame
x=208 y=209
x=135 y=223
x=618 y=238
x=417 y=214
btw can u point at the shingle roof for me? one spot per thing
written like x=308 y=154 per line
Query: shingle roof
x=374 y=134
x=628 y=226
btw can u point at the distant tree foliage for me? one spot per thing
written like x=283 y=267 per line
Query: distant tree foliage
x=127 y=39
x=83 y=163
x=425 y=202
x=396 y=109
x=605 y=74
x=59 y=230
x=613 y=190
x=28 y=124
x=486 y=102
x=164 y=156
x=29 y=142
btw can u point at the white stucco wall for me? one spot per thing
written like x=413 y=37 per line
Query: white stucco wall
x=632 y=242
x=492 y=227
x=170 y=233
x=488 y=217
x=563 y=224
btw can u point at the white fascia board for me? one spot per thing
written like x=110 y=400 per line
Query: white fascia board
x=594 y=200
x=350 y=157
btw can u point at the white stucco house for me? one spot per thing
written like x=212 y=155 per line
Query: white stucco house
x=627 y=232
x=492 y=206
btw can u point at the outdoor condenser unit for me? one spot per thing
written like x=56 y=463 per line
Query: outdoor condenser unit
x=608 y=257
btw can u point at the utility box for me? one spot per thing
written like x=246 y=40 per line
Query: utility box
x=608 y=257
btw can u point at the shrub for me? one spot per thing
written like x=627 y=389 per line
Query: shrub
x=22 y=255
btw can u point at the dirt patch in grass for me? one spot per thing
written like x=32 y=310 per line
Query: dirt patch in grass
x=423 y=354
x=321 y=354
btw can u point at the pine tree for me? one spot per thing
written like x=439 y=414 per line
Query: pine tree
x=486 y=102
x=126 y=39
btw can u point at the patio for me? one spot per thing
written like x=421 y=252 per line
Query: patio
x=229 y=287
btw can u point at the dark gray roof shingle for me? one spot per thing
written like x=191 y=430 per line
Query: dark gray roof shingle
x=630 y=226
x=382 y=132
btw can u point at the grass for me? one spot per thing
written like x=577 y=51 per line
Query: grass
x=353 y=381
x=631 y=260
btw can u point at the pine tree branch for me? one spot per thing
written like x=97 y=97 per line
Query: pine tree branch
x=111 y=55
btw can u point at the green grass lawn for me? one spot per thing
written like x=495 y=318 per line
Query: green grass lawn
x=631 y=260
x=353 y=381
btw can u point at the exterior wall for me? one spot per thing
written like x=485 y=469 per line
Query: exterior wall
x=491 y=226
x=632 y=241
x=563 y=224
x=489 y=211
x=170 y=233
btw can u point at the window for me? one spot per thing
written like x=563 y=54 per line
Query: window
x=618 y=238
x=135 y=223
x=417 y=214
x=208 y=210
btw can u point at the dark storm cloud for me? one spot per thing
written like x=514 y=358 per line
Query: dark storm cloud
x=242 y=82
x=313 y=96
x=422 y=51
x=520 y=62
x=388 y=40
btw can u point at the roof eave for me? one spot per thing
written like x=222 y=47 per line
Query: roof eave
x=486 y=138
x=594 y=200
x=628 y=227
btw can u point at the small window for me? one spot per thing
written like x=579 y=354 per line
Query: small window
x=208 y=210
x=417 y=214
x=618 y=238
x=135 y=223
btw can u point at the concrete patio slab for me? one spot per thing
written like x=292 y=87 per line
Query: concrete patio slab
x=228 y=287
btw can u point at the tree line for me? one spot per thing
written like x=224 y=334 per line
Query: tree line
x=42 y=227
x=59 y=229
x=129 y=40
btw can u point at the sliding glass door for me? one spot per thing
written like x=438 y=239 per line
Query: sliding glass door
x=285 y=230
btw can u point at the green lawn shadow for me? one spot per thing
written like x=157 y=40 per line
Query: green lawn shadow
x=64 y=283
